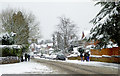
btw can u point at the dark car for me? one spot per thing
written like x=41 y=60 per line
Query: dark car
x=61 y=57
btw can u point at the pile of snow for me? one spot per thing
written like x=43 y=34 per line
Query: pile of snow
x=97 y=56
x=24 y=68
x=106 y=56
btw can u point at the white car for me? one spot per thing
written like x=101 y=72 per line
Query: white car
x=53 y=56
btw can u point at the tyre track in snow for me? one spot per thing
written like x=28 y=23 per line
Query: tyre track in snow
x=72 y=68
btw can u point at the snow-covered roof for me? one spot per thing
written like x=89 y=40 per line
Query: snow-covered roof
x=33 y=44
x=50 y=44
x=43 y=45
x=51 y=49
x=38 y=46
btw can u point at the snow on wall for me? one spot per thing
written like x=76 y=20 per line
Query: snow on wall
x=11 y=46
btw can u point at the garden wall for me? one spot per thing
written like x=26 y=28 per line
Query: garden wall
x=8 y=60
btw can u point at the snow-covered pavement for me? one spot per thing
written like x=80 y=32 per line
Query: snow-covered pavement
x=24 y=68
x=94 y=63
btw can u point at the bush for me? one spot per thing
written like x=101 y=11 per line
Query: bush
x=7 y=40
x=6 y=51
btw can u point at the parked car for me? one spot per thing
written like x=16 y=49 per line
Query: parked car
x=61 y=57
x=42 y=56
x=47 y=57
x=53 y=56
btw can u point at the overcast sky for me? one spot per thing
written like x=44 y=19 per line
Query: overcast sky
x=47 y=12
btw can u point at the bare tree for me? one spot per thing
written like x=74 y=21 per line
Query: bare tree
x=34 y=28
x=6 y=19
x=66 y=32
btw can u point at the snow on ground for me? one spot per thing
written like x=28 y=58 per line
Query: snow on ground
x=94 y=63
x=90 y=63
x=24 y=68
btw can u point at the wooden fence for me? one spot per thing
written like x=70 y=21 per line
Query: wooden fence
x=114 y=54
x=108 y=51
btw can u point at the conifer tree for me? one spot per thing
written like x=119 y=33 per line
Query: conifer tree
x=106 y=28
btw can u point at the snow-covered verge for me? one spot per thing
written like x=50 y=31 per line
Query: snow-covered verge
x=90 y=63
x=24 y=68
x=94 y=63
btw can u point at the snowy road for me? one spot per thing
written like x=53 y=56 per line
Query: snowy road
x=44 y=66
x=72 y=68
